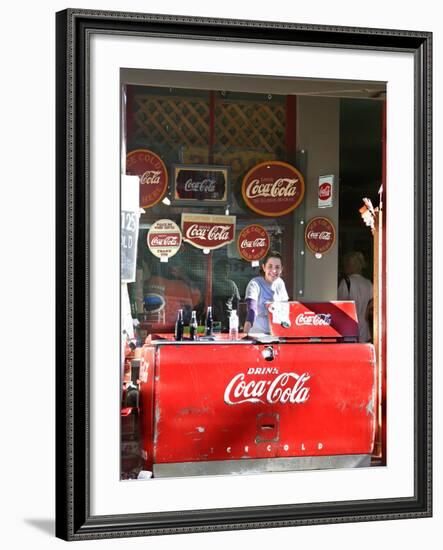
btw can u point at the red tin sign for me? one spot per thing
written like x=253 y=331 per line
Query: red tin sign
x=273 y=188
x=200 y=184
x=320 y=235
x=208 y=232
x=253 y=243
x=164 y=239
x=153 y=175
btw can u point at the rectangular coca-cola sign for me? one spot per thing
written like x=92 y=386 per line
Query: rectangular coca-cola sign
x=200 y=184
x=208 y=232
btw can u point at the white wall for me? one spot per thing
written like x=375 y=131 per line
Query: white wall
x=27 y=299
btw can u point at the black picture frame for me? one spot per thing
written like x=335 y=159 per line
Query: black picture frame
x=74 y=28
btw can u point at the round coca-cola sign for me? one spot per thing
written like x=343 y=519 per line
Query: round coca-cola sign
x=253 y=243
x=273 y=188
x=152 y=173
x=164 y=239
x=320 y=235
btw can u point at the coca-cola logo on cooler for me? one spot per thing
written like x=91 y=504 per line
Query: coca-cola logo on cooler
x=320 y=235
x=273 y=188
x=253 y=243
x=164 y=239
x=207 y=231
x=153 y=175
x=252 y=387
x=309 y=318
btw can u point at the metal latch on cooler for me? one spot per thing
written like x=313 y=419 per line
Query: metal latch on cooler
x=268 y=425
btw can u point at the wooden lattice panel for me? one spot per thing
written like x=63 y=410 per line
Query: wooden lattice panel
x=250 y=125
x=246 y=132
x=170 y=122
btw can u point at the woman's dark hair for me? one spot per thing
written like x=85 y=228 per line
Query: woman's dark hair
x=272 y=254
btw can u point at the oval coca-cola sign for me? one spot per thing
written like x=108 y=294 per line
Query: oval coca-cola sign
x=320 y=235
x=164 y=239
x=152 y=173
x=273 y=188
x=208 y=231
x=253 y=243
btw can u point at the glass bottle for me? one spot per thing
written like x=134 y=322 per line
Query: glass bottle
x=193 y=325
x=233 y=325
x=209 y=322
x=179 y=326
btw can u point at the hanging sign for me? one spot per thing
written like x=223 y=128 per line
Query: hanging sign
x=273 y=188
x=128 y=245
x=130 y=216
x=319 y=235
x=164 y=239
x=200 y=185
x=253 y=243
x=152 y=173
x=208 y=232
x=325 y=191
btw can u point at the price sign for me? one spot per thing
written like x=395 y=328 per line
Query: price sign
x=129 y=239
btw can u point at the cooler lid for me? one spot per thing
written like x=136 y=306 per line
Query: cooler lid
x=335 y=319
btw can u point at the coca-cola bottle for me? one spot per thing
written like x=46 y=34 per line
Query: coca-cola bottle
x=179 y=325
x=193 y=325
x=209 y=322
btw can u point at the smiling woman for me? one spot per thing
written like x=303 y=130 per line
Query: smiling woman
x=269 y=287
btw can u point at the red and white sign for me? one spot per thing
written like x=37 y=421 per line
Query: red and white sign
x=253 y=243
x=208 y=232
x=152 y=173
x=320 y=235
x=164 y=239
x=325 y=191
x=273 y=188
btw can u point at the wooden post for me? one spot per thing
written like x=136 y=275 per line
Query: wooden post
x=374 y=219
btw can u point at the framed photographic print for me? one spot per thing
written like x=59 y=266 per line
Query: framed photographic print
x=243 y=274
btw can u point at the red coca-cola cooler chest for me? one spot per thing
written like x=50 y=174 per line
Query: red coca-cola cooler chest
x=303 y=397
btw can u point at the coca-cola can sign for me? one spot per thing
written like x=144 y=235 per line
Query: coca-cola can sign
x=320 y=235
x=164 y=239
x=253 y=243
x=273 y=188
x=325 y=191
x=152 y=173
x=208 y=232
